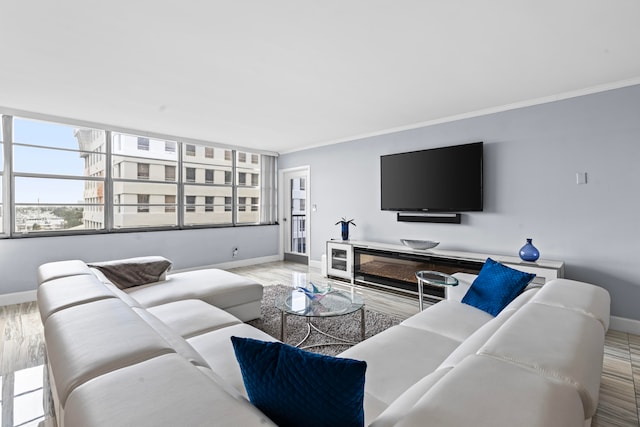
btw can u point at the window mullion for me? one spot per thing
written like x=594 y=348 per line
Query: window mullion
x=108 y=184
x=7 y=176
x=234 y=189
x=180 y=190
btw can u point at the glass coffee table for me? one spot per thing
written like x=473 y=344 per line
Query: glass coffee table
x=335 y=303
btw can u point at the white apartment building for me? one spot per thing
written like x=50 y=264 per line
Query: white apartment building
x=146 y=182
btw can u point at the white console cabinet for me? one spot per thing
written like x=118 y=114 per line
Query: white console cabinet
x=392 y=267
x=340 y=259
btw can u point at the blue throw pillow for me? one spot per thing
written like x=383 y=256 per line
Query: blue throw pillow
x=496 y=286
x=297 y=388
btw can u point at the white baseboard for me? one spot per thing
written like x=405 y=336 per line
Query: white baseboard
x=623 y=324
x=234 y=264
x=315 y=264
x=17 y=298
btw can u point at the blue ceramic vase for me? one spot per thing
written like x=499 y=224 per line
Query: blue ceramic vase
x=529 y=252
x=345 y=230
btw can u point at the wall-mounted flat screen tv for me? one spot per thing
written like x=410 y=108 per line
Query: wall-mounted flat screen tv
x=445 y=179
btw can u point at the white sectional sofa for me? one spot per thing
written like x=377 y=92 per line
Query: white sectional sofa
x=538 y=363
x=160 y=356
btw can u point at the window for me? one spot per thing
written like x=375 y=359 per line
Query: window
x=58 y=177
x=143 y=203
x=169 y=203
x=249 y=179
x=208 y=204
x=143 y=170
x=302 y=205
x=58 y=181
x=169 y=173
x=190 y=175
x=143 y=144
x=191 y=204
x=147 y=169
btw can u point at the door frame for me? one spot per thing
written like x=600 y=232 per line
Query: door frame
x=282 y=188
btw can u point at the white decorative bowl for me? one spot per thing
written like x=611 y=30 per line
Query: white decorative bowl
x=419 y=244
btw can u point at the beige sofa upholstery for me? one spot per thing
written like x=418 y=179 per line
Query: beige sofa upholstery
x=129 y=357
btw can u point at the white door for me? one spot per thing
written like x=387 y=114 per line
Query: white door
x=295 y=218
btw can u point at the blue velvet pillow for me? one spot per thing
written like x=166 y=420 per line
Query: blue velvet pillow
x=297 y=388
x=496 y=286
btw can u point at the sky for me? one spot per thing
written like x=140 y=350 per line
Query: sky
x=33 y=160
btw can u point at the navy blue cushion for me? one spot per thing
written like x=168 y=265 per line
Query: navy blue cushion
x=496 y=286
x=297 y=388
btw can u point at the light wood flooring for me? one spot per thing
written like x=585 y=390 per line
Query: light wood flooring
x=22 y=352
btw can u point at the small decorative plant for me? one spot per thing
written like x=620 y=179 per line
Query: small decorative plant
x=344 y=223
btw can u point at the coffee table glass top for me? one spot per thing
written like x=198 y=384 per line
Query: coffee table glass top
x=436 y=278
x=334 y=303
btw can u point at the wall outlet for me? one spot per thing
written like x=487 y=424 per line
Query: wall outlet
x=235 y=251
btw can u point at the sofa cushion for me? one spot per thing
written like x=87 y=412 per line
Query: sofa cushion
x=496 y=286
x=451 y=319
x=216 y=287
x=216 y=349
x=192 y=317
x=398 y=357
x=163 y=391
x=58 y=294
x=485 y=392
x=179 y=344
x=559 y=344
x=579 y=296
x=88 y=340
x=130 y=272
x=294 y=387
x=406 y=400
x=476 y=340
x=116 y=290
x=60 y=269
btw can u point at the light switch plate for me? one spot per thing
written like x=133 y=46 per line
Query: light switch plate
x=581 y=178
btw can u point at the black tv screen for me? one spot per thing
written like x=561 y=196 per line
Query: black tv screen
x=446 y=179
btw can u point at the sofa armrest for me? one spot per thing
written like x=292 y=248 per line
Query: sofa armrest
x=456 y=293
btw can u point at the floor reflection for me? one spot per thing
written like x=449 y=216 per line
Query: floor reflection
x=22 y=393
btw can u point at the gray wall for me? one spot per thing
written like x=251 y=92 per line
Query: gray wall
x=19 y=258
x=532 y=155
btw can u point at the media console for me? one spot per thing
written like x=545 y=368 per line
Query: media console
x=392 y=267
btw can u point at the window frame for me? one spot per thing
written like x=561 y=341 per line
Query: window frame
x=109 y=178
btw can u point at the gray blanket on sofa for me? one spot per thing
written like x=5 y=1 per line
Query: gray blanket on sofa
x=126 y=273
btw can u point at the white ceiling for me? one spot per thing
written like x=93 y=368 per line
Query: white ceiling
x=282 y=75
